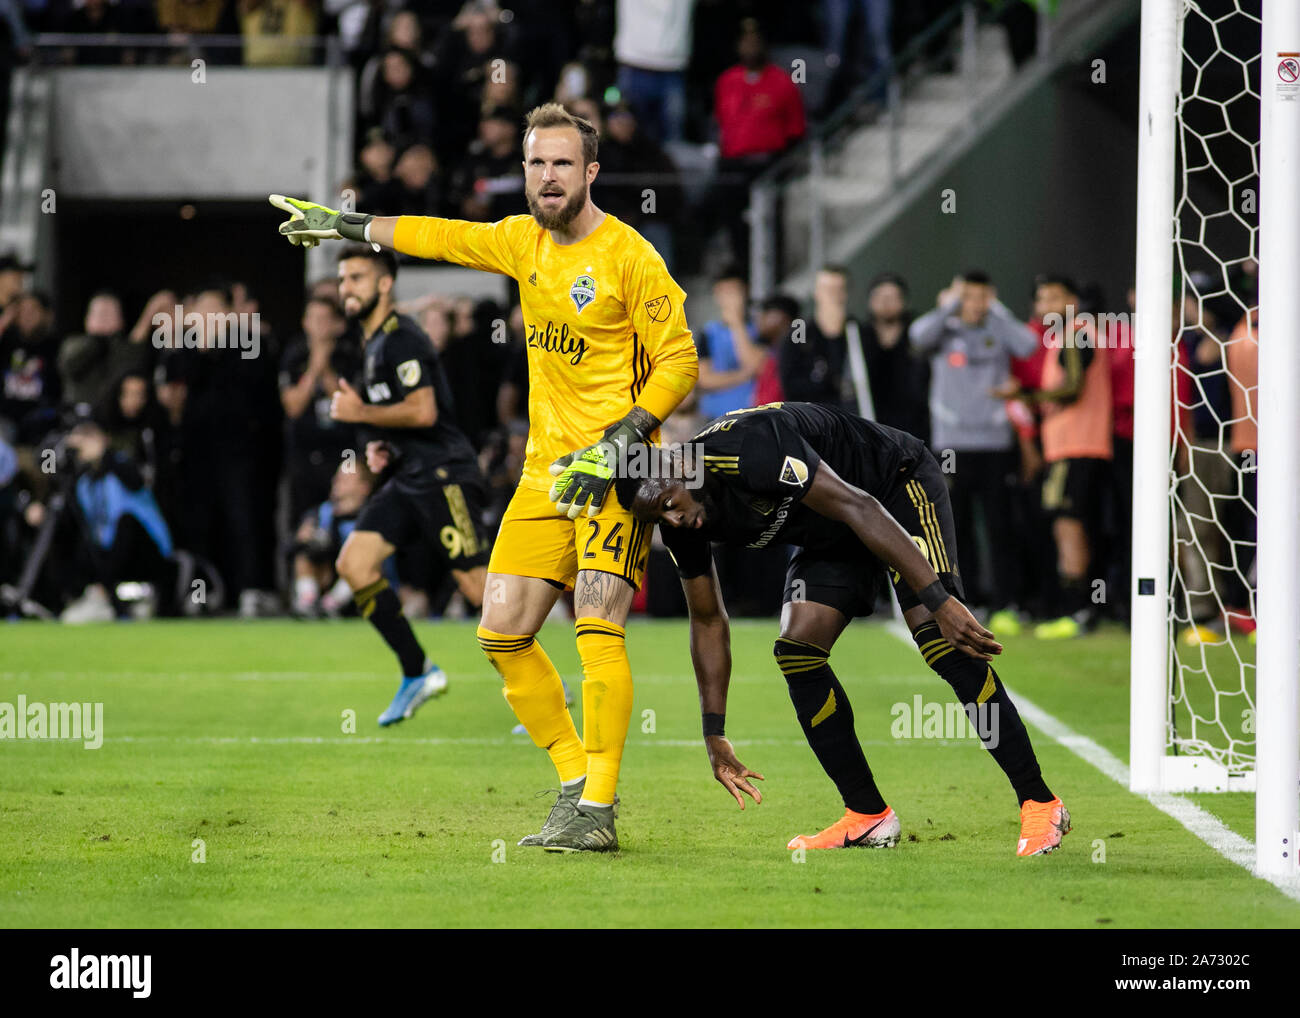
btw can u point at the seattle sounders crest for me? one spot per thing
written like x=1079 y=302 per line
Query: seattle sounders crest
x=583 y=292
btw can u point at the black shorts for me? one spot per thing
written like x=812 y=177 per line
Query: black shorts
x=848 y=578
x=448 y=518
x=1075 y=488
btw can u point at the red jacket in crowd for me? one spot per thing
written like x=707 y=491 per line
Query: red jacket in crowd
x=759 y=112
x=1028 y=371
x=1120 y=341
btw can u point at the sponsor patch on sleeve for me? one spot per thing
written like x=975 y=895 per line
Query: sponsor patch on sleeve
x=408 y=373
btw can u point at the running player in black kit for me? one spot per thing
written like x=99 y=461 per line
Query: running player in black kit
x=855 y=498
x=430 y=488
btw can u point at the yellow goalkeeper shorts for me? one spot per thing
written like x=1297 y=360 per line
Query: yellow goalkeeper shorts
x=535 y=540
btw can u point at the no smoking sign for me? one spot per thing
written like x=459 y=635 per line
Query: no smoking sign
x=1288 y=76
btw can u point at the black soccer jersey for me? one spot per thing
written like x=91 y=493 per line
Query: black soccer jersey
x=313 y=437
x=758 y=464
x=400 y=358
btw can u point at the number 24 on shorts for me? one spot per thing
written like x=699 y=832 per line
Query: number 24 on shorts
x=613 y=541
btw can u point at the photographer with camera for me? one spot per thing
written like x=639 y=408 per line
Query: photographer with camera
x=120 y=534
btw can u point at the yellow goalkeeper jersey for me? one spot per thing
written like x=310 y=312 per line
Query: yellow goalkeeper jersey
x=603 y=320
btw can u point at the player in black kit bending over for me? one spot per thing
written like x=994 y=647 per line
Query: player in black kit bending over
x=855 y=498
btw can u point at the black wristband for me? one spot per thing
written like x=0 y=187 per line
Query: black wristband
x=352 y=226
x=625 y=425
x=713 y=724
x=934 y=596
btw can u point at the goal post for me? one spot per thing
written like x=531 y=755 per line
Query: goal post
x=1152 y=386
x=1277 y=733
x=1213 y=706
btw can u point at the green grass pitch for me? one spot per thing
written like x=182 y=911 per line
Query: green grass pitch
x=232 y=734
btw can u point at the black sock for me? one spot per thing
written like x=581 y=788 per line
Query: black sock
x=824 y=712
x=1074 y=597
x=990 y=710
x=378 y=603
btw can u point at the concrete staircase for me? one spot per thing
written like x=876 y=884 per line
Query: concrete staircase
x=867 y=167
x=933 y=106
x=870 y=173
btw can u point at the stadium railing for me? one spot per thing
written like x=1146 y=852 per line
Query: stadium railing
x=951 y=38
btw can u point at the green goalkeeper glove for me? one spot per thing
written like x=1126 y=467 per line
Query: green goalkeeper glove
x=583 y=478
x=309 y=223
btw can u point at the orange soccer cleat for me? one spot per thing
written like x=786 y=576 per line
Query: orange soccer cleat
x=861 y=830
x=1042 y=826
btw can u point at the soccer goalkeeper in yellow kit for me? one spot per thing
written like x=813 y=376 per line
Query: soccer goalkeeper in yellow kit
x=609 y=358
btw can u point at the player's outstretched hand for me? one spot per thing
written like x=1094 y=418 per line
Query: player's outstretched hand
x=310 y=223
x=729 y=771
x=960 y=628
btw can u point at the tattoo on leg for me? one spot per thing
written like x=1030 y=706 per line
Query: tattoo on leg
x=590 y=593
x=594 y=590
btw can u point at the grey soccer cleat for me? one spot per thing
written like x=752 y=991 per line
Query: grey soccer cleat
x=566 y=804
x=589 y=829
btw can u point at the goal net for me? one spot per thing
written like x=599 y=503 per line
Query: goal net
x=1211 y=604
x=1215 y=701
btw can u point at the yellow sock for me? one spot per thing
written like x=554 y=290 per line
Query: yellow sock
x=536 y=695
x=606 y=704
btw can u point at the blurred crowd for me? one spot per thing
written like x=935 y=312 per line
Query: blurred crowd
x=145 y=477
x=1031 y=419
x=440 y=101
x=441 y=87
x=225 y=454
x=232 y=473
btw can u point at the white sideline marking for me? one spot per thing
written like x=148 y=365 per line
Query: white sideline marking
x=1205 y=826
x=1209 y=828
x=102 y=675
x=466 y=740
x=289 y=676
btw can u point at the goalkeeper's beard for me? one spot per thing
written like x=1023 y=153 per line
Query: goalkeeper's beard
x=562 y=216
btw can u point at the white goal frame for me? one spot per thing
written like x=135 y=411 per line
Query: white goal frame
x=1276 y=777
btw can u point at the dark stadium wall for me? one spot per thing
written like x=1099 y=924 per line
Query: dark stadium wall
x=150 y=246
x=1052 y=188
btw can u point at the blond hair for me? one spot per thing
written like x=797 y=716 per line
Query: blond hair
x=555 y=115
